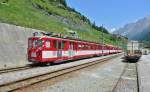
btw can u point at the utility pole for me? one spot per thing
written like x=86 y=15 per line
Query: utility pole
x=118 y=35
x=125 y=44
x=102 y=39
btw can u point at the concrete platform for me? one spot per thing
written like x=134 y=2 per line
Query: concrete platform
x=144 y=73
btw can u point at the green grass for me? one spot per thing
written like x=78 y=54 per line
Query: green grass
x=23 y=13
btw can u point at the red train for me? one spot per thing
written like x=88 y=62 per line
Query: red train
x=48 y=49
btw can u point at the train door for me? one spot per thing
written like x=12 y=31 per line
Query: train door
x=71 y=53
x=59 y=48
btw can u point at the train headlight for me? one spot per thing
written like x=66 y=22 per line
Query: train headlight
x=33 y=54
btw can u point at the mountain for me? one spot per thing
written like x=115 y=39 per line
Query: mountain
x=140 y=30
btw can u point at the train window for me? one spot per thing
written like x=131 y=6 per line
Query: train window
x=97 y=47
x=59 y=45
x=71 y=45
x=86 y=47
x=39 y=43
x=89 y=47
x=54 y=43
x=47 y=43
x=83 y=46
x=63 y=44
x=79 y=46
x=92 y=47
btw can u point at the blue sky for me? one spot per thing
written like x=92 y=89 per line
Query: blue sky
x=112 y=13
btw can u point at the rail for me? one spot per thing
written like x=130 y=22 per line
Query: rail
x=128 y=80
x=12 y=86
x=15 y=69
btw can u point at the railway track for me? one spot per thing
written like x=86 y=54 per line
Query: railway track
x=2 y=71
x=128 y=81
x=19 y=84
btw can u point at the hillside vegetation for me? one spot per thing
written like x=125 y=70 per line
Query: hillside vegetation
x=53 y=16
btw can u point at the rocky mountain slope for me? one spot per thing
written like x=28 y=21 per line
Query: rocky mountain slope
x=139 y=30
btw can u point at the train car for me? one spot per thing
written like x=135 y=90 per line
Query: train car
x=49 y=49
x=133 y=51
x=145 y=51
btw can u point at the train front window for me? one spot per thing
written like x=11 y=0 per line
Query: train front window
x=47 y=44
x=39 y=43
x=34 y=44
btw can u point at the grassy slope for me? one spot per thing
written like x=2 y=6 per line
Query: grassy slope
x=23 y=13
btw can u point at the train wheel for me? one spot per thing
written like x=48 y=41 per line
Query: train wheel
x=49 y=64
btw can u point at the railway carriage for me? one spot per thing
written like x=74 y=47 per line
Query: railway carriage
x=47 y=49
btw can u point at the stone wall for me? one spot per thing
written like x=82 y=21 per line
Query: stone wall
x=13 y=45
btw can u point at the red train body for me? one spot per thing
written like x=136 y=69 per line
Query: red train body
x=46 y=49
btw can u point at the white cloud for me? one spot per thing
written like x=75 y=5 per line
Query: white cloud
x=112 y=30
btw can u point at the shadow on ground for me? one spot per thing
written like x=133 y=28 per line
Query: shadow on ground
x=56 y=63
x=126 y=60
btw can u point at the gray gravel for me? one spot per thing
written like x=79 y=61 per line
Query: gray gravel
x=98 y=78
x=144 y=73
x=9 y=77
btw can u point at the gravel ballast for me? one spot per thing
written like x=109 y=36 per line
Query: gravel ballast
x=97 y=78
x=13 y=76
